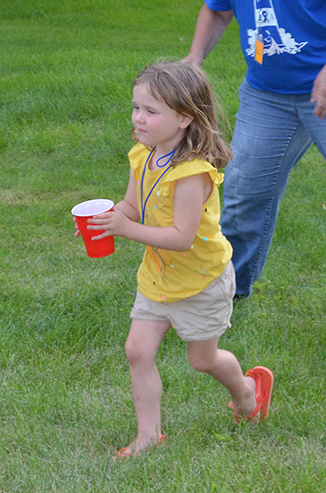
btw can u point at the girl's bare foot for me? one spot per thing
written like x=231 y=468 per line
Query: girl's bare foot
x=140 y=445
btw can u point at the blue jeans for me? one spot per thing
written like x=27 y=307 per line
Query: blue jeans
x=272 y=133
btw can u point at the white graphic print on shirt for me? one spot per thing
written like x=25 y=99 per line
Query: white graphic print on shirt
x=276 y=39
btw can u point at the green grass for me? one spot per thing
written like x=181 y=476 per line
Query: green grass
x=66 y=405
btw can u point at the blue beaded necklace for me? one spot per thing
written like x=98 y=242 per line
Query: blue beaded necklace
x=165 y=165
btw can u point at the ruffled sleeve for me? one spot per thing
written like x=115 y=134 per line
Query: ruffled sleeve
x=189 y=168
x=137 y=157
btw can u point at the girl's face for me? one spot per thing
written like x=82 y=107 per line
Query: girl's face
x=156 y=123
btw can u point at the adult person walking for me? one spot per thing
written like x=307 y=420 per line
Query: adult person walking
x=282 y=112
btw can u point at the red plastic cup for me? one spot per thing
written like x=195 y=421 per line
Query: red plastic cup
x=85 y=211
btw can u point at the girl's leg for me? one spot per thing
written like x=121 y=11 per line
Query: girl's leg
x=224 y=367
x=144 y=339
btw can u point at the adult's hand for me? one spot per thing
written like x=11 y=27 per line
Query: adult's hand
x=318 y=95
x=210 y=27
x=193 y=58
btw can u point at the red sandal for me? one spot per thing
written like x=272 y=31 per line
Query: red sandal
x=264 y=379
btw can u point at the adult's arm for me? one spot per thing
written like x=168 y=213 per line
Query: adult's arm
x=210 y=27
x=318 y=95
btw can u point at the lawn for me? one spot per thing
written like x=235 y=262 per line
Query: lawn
x=66 y=404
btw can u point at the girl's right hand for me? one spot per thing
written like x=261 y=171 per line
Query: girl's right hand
x=114 y=223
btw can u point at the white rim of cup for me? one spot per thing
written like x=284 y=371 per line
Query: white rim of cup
x=92 y=207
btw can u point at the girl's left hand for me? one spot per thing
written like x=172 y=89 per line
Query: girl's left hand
x=114 y=223
x=76 y=226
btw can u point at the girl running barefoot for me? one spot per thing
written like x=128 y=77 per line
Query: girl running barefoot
x=186 y=279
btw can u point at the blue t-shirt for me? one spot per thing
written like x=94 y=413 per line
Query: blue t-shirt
x=294 y=33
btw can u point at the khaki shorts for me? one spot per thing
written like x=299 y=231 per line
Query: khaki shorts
x=202 y=317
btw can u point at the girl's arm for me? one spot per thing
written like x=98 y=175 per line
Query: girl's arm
x=189 y=195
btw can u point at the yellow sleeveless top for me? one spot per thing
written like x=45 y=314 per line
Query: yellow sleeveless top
x=166 y=275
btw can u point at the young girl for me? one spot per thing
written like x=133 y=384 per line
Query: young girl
x=186 y=278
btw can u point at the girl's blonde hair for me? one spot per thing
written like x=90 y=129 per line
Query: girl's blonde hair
x=185 y=88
